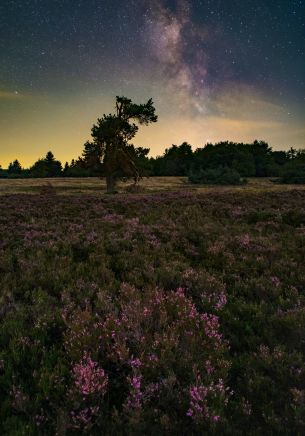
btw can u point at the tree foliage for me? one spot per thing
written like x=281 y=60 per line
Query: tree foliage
x=15 y=167
x=47 y=167
x=110 y=153
x=217 y=176
x=176 y=161
x=112 y=133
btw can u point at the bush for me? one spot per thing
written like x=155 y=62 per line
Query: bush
x=217 y=176
x=3 y=174
x=293 y=173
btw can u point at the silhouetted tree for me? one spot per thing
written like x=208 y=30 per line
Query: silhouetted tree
x=225 y=154
x=280 y=157
x=294 y=170
x=292 y=153
x=112 y=133
x=78 y=168
x=15 y=167
x=65 y=171
x=139 y=156
x=3 y=173
x=92 y=158
x=176 y=161
x=47 y=167
x=262 y=154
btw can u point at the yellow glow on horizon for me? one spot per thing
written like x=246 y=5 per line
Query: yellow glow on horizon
x=63 y=126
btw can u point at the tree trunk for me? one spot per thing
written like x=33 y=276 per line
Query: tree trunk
x=111 y=184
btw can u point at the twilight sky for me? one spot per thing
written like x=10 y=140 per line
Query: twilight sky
x=216 y=70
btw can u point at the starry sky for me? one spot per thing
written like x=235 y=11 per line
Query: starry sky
x=216 y=70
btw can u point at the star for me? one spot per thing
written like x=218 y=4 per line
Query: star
x=197 y=59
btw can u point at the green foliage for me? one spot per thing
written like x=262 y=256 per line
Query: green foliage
x=47 y=167
x=109 y=153
x=176 y=161
x=293 y=172
x=14 y=168
x=248 y=159
x=78 y=169
x=139 y=156
x=92 y=159
x=112 y=133
x=218 y=176
x=226 y=154
x=4 y=174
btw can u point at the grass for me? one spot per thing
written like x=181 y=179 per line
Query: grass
x=94 y=185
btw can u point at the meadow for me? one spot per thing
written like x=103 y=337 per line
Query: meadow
x=96 y=185
x=175 y=310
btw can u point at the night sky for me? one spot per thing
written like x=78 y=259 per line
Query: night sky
x=216 y=70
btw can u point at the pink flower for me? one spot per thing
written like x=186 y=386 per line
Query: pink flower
x=135 y=363
x=89 y=378
x=222 y=301
x=134 y=400
x=200 y=409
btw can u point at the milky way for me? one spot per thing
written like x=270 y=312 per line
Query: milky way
x=216 y=69
x=175 y=40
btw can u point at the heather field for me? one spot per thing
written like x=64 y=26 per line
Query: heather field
x=171 y=311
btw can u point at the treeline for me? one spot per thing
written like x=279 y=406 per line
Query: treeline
x=224 y=162
x=232 y=163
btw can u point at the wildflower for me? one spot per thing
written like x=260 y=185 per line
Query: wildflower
x=135 y=363
x=89 y=378
x=134 y=401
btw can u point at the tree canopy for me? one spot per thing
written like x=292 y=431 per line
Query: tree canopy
x=112 y=133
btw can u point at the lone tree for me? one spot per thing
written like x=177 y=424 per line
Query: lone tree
x=111 y=135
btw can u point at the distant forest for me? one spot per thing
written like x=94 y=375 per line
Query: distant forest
x=223 y=162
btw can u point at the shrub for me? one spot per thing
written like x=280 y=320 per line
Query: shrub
x=157 y=350
x=293 y=173
x=217 y=176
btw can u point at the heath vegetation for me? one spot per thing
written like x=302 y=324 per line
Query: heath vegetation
x=165 y=313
